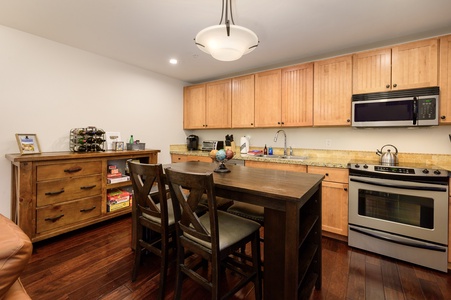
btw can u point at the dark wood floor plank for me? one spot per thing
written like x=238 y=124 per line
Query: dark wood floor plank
x=410 y=284
x=96 y=263
x=356 y=278
x=374 y=287
x=390 y=279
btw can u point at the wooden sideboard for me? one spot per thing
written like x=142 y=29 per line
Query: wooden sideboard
x=56 y=192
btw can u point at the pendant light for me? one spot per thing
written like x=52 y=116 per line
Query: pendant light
x=226 y=42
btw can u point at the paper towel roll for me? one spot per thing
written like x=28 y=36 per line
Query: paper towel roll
x=244 y=145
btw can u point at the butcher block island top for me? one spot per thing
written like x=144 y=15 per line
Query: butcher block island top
x=292 y=202
x=57 y=192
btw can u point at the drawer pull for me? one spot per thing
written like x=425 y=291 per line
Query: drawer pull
x=88 y=187
x=73 y=170
x=54 y=193
x=54 y=219
x=87 y=209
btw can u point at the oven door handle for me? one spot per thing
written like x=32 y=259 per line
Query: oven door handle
x=394 y=239
x=401 y=186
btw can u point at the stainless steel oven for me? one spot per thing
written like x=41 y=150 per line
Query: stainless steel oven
x=401 y=212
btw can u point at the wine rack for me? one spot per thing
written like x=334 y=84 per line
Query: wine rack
x=88 y=139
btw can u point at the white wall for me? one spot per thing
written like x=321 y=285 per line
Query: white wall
x=48 y=88
x=432 y=140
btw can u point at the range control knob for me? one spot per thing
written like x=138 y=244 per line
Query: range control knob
x=357 y=166
x=437 y=172
x=365 y=166
x=426 y=171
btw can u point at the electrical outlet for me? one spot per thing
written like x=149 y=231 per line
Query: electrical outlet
x=328 y=143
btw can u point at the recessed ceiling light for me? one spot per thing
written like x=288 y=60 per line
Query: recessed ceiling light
x=173 y=61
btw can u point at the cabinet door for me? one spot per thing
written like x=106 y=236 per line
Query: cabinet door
x=218 y=107
x=415 y=65
x=445 y=80
x=371 y=71
x=335 y=207
x=333 y=92
x=276 y=166
x=297 y=95
x=268 y=100
x=194 y=107
x=243 y=102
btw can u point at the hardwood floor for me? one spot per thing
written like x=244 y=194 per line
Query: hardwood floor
x=96 y=263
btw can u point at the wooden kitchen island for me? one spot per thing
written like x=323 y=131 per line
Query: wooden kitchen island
x=292 y=201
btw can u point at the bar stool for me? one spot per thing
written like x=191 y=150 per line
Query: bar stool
x=214 y=236
x=151 y=210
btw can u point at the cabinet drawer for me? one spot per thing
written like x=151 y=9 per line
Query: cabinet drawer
x=66 y=170
x=332 y=174
x=57 y=216
x=52 y=192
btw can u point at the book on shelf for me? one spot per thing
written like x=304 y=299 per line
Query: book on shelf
x=116 y=175
x=118 y=179
x=117 y=196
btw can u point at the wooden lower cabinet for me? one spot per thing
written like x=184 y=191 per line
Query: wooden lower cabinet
x=54 y=193
x=334 y=199
x=275 y=166
x=182 y=158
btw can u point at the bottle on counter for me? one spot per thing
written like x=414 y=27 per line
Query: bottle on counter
x=270 y=151
x=265 y=150
x=132 y=140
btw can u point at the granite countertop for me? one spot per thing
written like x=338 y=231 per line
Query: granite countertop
x=332 y=158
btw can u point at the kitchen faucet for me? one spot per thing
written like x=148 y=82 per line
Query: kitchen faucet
x=284 y=142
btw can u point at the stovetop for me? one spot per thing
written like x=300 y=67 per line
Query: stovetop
x=408 y=169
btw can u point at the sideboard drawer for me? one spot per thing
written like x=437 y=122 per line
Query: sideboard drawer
x=66 y=170
x=56 y=216
x=52 y=192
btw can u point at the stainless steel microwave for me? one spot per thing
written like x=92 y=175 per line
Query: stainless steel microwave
x=416 y=107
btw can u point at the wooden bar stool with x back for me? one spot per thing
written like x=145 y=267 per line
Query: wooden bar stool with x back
x=151 y=209
x=216 y=236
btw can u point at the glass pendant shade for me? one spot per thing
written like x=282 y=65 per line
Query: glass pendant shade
x=214 y=41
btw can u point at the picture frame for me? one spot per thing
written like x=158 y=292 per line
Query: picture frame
x=110 y=138
x=28 y=143
x=118 y=146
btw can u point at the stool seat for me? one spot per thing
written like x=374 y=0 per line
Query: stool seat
x=248 y=211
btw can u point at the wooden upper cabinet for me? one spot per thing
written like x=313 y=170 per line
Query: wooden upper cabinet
x=268 y=100
x=445 y=81
x=415 y=65
x=243 y=102
x=218 y=107
x=332 y=92
x=207 y=105
x=194 y=106
x=407 y=66
x=297 y=95
x=371 y=71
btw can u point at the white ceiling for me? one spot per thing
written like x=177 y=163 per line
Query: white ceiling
x=147 y=33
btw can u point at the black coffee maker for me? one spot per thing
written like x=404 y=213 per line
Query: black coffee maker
x=192 y=142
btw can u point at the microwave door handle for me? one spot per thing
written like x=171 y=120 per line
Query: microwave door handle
x=415 y=111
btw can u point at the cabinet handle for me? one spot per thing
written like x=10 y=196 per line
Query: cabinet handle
x=348 y=120
x=54 y=193
x=346 y=189
x=252 y=124
x=395 y=85
x=327 y=174
x=87 y=209
x=54 y=219
x=278 y=123
x=88 y=187
x=73 y=170
x=387 y=86
x=443 y=117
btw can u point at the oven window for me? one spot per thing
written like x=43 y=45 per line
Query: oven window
x=405 y=209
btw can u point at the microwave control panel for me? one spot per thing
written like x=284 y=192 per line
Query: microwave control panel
x=427 y=109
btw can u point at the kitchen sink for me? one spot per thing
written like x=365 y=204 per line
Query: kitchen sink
x=282 y=157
